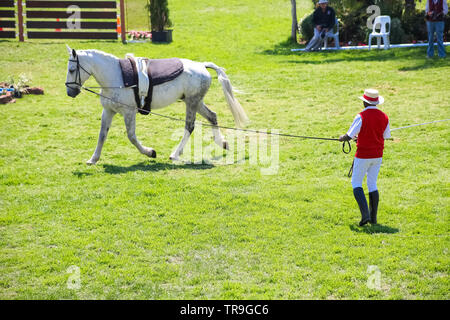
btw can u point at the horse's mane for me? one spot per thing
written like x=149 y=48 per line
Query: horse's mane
x=101 y=53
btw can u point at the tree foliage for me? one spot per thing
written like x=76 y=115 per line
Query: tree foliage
x=159 y=15
x=408 y=23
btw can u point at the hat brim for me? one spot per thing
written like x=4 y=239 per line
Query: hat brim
x=380 y=100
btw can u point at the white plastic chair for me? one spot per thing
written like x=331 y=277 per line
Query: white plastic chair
x=335 y=36
x=385 y=28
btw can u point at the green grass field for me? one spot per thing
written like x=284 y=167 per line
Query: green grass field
x=139 y=228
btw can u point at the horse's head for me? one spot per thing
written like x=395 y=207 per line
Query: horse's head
x=76 y=74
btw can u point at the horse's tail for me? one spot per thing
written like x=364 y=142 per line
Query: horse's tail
x=240 y=118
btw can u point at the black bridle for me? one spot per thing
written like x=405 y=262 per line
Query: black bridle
x=77 y=74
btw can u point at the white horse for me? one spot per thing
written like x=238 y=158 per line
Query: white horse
x=190 y=86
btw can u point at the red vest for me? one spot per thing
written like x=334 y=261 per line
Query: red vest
x=370 y=138
x=436 y=8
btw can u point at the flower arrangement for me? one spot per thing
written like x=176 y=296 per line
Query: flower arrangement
x=23 y=81
x=15 y=89
x=139 y=35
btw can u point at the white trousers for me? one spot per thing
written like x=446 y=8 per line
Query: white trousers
x=361 y=167
x=317 y=36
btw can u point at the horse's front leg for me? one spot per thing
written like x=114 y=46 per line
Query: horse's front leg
x=130 y=123
x=107 y=116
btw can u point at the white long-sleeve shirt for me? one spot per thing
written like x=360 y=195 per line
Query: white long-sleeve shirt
x=357 y=123
x=444 y=5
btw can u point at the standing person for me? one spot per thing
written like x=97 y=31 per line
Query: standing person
x=372 y=127
x=324 y=19
x=436 y=10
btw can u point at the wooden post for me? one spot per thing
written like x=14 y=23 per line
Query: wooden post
x=20 y=19
x=294 y=26
x=122 y=21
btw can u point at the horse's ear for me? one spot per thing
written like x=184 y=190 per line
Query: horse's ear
x=69 y=50
x=74 y=53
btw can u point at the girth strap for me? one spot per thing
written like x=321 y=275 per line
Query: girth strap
x=159 y=72
x=136 y=88
x=148 y=99
x=130 y=77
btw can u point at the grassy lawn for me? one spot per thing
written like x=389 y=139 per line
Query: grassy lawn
x=140 y=228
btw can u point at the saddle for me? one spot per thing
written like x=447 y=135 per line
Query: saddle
x=143 y=74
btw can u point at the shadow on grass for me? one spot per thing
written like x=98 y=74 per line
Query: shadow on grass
x=427 y=64
x=153 y=166
x=283 y=48
x=80 y=174
x=372 y=229
x=333 y=56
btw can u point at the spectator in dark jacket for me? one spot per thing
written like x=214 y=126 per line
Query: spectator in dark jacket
x=324 y=19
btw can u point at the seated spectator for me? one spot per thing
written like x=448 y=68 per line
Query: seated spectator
x=324 y=19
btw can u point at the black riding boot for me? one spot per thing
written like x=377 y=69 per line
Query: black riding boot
x=362 y=203
x=374 y=197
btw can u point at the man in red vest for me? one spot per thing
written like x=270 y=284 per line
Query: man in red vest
x=372 y=128
x=436 y=10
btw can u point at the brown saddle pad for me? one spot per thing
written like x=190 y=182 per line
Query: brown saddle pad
x=163 y=70
x=159 y=72
x=129 y=72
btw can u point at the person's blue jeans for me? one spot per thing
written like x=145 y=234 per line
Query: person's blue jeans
x=438 y=28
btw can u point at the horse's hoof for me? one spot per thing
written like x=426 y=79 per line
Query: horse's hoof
x=149 y=152
x=225 y=145
x=91 y=162
x=174 y=158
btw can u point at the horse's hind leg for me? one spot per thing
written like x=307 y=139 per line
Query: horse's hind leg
x=130 y=123
x=107 y=116
x=212 y=118
x=191 y=110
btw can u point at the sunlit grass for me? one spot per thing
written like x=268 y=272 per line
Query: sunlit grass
x=151 y=229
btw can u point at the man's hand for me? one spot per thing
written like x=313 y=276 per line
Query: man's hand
x=326 y=29
x=430 y=13
x=345 y=137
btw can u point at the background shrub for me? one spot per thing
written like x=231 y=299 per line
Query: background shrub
x=306 y=28
x=408 y=23
x=413 y=23
x=397 y=33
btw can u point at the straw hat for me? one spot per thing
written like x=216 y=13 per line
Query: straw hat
x=371 y=96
